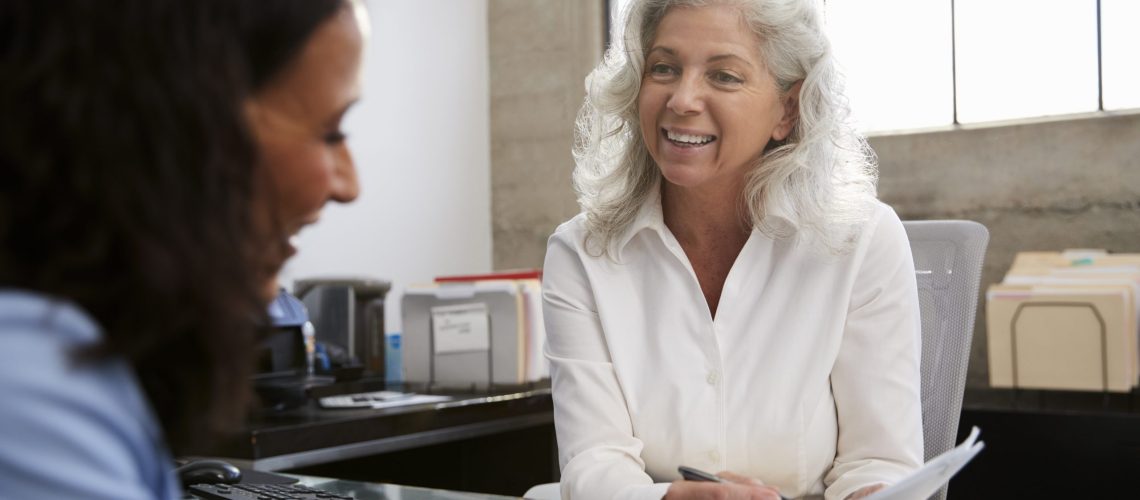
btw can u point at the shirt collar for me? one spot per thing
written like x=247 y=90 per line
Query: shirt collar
x=18 y=306
x=649 y=217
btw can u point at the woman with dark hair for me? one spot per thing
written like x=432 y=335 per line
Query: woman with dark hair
x=156 y=156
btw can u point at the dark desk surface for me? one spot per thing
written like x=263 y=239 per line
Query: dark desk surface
x=1050 y=444
x=1043 y=401
x=311 y=435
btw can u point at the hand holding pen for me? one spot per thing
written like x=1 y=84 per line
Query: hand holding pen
x=726 y=485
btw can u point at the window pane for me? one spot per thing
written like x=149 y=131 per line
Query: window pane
x=1023 y=58
x=1120 y=53
x=897 y=57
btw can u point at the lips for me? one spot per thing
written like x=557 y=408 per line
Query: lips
x=685 y=141
x=291 y=238
x=687 y=138
x=291 y=246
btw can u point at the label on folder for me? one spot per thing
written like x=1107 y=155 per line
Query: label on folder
x=460 y=328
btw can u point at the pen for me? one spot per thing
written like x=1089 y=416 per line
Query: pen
x=691 y=474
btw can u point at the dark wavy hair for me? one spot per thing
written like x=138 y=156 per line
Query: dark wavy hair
x=126 y=176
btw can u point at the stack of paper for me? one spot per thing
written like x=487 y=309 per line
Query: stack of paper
x=937 y=472
x=1066 y=320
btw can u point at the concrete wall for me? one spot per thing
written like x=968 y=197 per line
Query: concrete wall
x=420 y=135
x=1037 y=185
x=540 y=52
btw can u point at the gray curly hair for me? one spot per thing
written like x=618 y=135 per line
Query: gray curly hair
x=818 y=184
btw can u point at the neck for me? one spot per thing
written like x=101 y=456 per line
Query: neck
x=702 y=217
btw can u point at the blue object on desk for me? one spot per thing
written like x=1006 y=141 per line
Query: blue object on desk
x=287 y=311
x=322 y=358
x=393 y=358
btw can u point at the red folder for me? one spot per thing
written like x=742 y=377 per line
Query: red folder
x=510 y=274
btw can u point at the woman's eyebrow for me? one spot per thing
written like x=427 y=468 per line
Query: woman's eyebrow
x=716 y=58
x=722 y=57
x=344 y=109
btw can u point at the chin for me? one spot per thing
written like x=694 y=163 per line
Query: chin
x=686 y=177
x=269 y=289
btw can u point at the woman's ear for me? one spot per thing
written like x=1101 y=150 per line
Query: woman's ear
x=791 y=102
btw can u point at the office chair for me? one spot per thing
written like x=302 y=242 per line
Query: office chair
x=948 y=258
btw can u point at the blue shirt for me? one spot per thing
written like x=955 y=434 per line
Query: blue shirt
x=67 y=429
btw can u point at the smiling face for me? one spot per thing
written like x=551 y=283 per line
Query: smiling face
x=708 y=105
x=304 y=160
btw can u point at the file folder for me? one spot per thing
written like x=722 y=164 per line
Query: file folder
x=1066 y=320
x=1062 y=337
x=502 y=360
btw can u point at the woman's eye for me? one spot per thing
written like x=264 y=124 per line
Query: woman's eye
x=726 y=78
x=334 y=138
x=661 y=69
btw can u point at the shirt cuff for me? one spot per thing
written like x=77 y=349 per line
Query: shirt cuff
x=654 y=491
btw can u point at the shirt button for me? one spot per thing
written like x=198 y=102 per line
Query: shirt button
x=712 y=378
x=714 y=456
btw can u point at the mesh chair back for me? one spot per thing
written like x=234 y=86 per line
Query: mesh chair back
x=948 y=263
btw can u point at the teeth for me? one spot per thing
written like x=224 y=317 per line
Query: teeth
x=688 y=139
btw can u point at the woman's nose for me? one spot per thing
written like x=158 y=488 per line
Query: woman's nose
x=686 y=98
x=345 y=186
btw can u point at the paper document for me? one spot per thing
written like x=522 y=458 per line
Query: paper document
x=923 y=482
x=460 y=328
x=379 y=399
x=412 y=399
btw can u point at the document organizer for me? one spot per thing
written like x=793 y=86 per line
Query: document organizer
x=1066 y=338
x=498 y=361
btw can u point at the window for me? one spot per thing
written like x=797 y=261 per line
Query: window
x=1120 y=53
x=1009 y=58
x=920 y=63
x=1022 y=58
x=898 y=59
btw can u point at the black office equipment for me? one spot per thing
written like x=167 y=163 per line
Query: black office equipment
x=283 y=376
x=259 y=491
x=283 y=351
x=208 y=471
x=348 y=313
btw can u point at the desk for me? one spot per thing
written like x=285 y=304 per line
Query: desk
x=359 y=489
x=497 y=442
x=1050 y=444
x=379 y=491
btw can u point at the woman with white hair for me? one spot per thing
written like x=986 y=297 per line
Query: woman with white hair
x=732 y=297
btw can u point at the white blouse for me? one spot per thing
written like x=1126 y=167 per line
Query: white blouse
x=807 y=379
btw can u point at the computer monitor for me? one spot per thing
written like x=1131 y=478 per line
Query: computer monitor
x=282 y=354
x=280 y=374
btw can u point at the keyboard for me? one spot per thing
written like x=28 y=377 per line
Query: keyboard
x=261 y=492
x=363 y=399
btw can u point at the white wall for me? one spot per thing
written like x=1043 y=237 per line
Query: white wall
x=421 y=138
